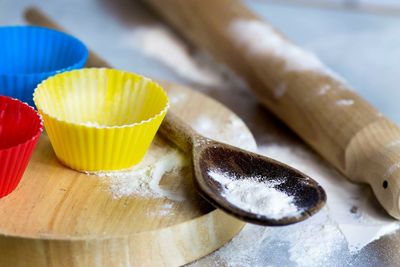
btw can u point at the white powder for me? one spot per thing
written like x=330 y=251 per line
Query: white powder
x=161 y=44
x=280 y=90
x=359 y=227
x=310 y=243
x=324 y=89
x=143 y=180
x=257 y=197
x=234 y=131
x=259 y=39
x=391 y=170
x=345 y=102
x=176 y=97
x=205 y=124
x=314 y=244
x=165 y=210
x=393 y=143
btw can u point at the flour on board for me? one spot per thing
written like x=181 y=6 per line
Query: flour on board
x=345 y=102
x=280 y=90
x=324 y=89
x=143 y=180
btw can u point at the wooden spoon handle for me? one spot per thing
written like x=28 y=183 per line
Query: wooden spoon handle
x=178 y=132
x=35 y=17
x=340 y=125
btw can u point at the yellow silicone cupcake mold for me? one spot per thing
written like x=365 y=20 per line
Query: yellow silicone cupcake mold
x=100 y=119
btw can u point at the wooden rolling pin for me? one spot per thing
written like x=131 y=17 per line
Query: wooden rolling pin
x=319 y=106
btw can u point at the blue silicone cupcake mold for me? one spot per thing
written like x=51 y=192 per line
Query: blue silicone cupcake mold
x=30 y=54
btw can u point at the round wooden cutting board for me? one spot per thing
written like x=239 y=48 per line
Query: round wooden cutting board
x=60 y=217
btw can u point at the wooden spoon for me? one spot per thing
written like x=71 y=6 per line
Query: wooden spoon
x=209 y=155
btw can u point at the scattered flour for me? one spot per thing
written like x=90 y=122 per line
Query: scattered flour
x=165 y=210
x=345 y=102
x=314 y=244
x=359 y=228
x=391 y=170
x=205 y=124
x=269 y=41
x=261 y=39
x=324 y=89
x=143 y=180
x=176 y=97
x=261 y=198
x=393 y=143
x=280 y=90
x=234 y=130
x=307 y=244
x=161 y=44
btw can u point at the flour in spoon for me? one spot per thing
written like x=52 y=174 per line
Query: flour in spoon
x=261 y=198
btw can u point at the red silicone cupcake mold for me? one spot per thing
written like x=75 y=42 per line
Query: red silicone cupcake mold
x=20 y=128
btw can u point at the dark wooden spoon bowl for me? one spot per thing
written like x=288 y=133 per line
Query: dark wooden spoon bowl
x=308 y=196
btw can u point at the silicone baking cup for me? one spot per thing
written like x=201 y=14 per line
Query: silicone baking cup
x=20 y=128
x=100 y=119
x=30 y=54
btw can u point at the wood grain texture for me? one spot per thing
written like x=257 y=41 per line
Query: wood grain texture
x=355 y=137
x=60 y=217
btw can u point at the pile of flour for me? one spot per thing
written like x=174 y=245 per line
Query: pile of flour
x=260 y=198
